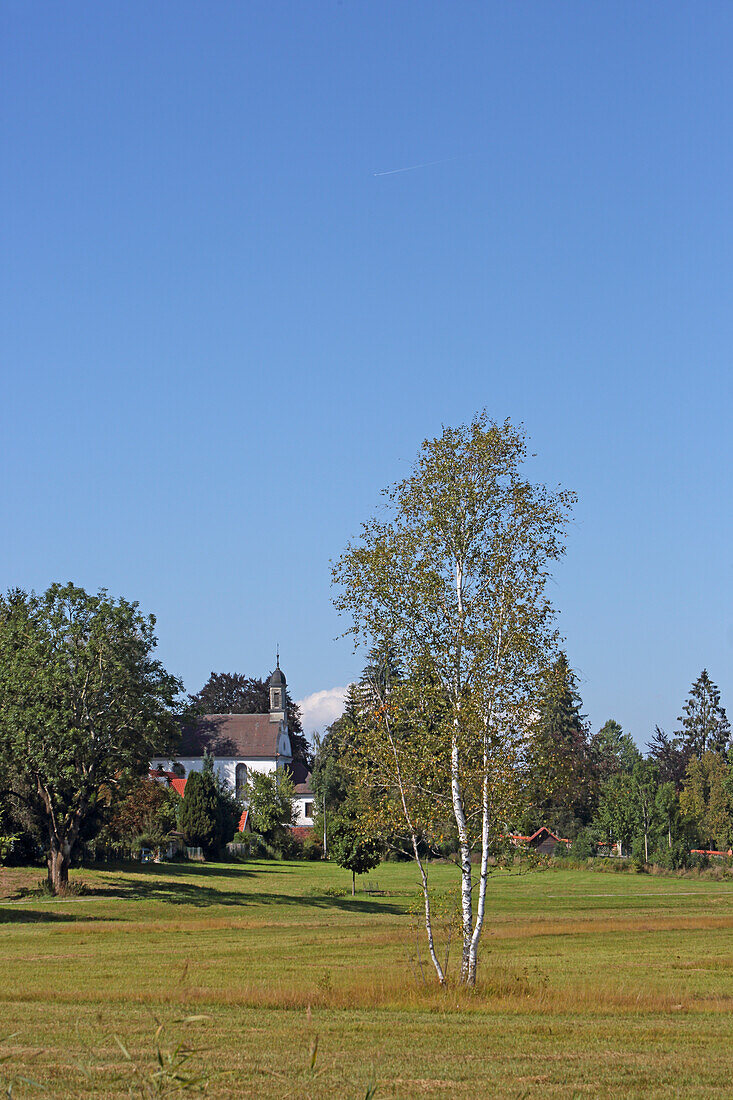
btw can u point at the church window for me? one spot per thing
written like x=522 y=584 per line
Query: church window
x=275 y=700
x=240 y=780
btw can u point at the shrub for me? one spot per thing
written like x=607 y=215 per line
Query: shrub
x=583 y=847
x=312 y=848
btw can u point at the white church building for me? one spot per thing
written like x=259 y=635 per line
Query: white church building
x=241 y=744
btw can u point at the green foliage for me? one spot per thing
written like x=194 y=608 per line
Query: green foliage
x=452 y=577
x=616 y=817
x=613 y=750
x=706 y=801
x=83 y=707
x=670 y=756
x=150 y=810
x=705 y=725
x=271 y=807
x=199 y=818
x=584 y=846
x=352 y=850
x=562 y=783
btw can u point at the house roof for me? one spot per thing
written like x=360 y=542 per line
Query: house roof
x=176 y=782
x=301 y=778
x=244 y=735
x=543 y=829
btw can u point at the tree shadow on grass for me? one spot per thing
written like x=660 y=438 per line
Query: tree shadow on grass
x=175 y=889
x=39 y=916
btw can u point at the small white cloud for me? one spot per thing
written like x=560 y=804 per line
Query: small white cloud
x=322 y=708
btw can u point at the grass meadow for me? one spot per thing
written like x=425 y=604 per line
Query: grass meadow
x=591 y=985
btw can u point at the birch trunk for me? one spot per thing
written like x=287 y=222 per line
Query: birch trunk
x=464 y=848
x=483 y=874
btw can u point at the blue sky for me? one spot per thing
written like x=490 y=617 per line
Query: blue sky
x=222 y=333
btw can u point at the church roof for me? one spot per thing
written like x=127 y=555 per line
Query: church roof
x=278 y=678
x=232 y=735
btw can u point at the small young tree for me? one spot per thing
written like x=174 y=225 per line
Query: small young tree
x=645 y=785
x=271 y=806
x=454 y=578
x=667 y=808
x=352 y=850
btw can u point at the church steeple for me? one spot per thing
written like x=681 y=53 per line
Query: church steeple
x=278 y=693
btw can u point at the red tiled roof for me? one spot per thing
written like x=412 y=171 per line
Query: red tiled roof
x=176 y=782
x=243 y=821
x=243 y=735
x=543 y=829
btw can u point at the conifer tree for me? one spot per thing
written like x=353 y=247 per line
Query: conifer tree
x=562 y=777
x=705 y=725
x=199 y=819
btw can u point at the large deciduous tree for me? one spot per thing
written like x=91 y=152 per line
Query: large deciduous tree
x=83 y=707
x=454 y=578
x=706 y=800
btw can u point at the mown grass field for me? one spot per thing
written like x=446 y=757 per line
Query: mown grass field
x=592 y=985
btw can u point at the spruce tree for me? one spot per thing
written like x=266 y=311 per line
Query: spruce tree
x=705 y=725
x=562 y=777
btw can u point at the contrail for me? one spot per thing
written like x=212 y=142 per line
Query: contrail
x=412 y=167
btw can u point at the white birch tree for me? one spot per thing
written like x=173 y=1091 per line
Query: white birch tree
x=454 y=576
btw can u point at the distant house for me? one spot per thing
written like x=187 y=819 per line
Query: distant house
x=543 y=841
x=304 y=800
x=239 y=745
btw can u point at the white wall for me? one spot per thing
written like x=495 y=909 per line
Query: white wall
x=299 y=803
x=224 y=767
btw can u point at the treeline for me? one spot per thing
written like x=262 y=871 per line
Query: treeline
x=596 y=789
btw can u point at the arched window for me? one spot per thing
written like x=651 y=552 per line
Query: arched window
x=240 y=780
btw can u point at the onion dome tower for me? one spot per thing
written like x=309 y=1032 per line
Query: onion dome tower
x=278 y=693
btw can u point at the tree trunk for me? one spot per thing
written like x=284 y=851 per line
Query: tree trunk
x=646 y=848
x=59 y=858
x=483 y=877
x=353 y=884
x=465 y=856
